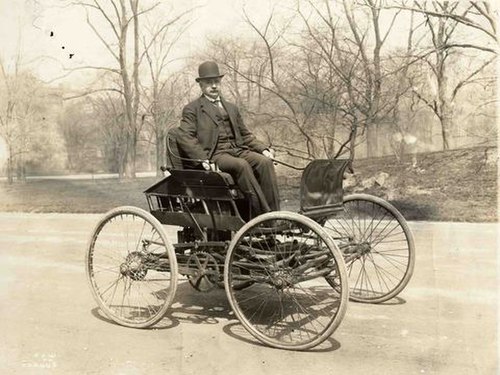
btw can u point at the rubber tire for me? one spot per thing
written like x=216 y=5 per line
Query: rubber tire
x=337 y=255
x=130 y=210
x=411 y=249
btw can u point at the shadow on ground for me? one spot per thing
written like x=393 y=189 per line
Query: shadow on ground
x=192 y=307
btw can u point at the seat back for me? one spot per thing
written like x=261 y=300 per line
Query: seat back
x=176 y=157
x=321 y=185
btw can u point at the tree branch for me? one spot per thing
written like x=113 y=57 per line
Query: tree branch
x=106 y=44
x=461 y=19
x=466 y=45
x=468 y=78
x=92 y=92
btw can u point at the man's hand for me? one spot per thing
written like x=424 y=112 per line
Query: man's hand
x=206 y=165
x=269 y=153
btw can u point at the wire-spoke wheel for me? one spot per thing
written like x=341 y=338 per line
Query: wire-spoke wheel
x=377 y=245
x=131 y=267
x=286 y=259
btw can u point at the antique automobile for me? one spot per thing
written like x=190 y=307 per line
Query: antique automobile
x=288 y=275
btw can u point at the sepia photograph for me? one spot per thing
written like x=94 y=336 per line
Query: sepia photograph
x=249 y=187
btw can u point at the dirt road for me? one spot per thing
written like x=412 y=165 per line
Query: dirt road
x=445 y=322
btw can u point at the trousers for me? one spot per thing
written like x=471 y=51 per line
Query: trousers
x=255 y=176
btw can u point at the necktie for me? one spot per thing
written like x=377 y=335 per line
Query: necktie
x=220 y=107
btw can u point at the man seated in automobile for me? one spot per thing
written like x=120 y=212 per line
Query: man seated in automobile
x=212 y=130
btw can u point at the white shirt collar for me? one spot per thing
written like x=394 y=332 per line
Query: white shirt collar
x=212 y=100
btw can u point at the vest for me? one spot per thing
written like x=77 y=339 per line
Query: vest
x=226 y=141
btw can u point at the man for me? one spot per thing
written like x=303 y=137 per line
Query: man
x=212 y=130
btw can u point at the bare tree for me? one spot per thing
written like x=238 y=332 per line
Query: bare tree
x=374 y=104
x=80 y=126
x=163 y=112
x=109 y=112
x=330 y=77
x=165 y=93
x=350 y=44
x=121 y=17
x=448 y=23
x=122 y=40
x=338 y=82
x=269 y=67
x=472 y=15
x=26 y=121
x=7 y=120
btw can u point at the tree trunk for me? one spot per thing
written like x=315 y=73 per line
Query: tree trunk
x=122 y=157
x=10 y=176
x=352 y=143
x=131 y=156
x=128 y=97
x=446 y=125
x=330 y=143
x=160 y=153
x=444 y=109
x=372 y=140
x=20 y=169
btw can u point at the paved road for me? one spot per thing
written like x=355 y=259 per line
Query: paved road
x=445 y=322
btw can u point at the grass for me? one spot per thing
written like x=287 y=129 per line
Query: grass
x=458 y=185
x=78 y=196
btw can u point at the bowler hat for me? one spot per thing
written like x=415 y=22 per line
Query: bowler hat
x=208 y=69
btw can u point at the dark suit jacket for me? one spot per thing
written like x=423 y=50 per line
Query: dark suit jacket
x=199 y=129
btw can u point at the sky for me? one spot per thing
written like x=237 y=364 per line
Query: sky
x=50 y=32
x=31 y=22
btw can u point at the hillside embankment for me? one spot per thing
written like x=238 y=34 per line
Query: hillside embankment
x=454 y=185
